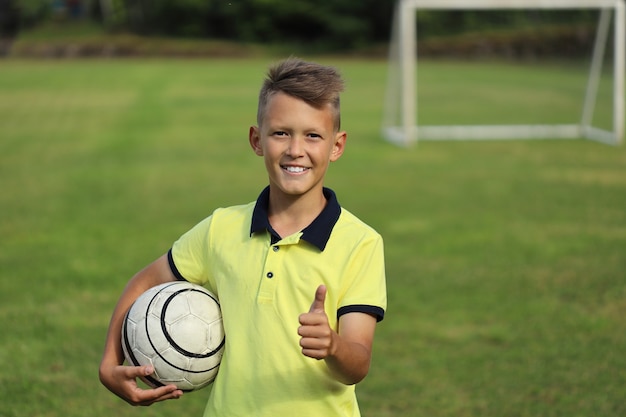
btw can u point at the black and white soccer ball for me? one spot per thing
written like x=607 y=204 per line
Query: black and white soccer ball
x=177 y=328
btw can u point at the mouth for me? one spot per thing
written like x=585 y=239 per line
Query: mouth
x=294 y=169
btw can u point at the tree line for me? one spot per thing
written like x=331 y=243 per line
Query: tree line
x=337 y=24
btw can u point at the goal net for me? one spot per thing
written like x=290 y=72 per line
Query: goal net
x=601 y=78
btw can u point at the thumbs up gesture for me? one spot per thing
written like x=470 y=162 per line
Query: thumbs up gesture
x=316 y=336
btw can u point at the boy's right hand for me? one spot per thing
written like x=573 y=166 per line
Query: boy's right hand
x=122 y=381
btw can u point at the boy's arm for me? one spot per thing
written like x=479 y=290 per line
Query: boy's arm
x=121 y=380
x=347 y=352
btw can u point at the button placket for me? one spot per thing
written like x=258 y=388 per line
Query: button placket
x=269 y=280
x=269 y=273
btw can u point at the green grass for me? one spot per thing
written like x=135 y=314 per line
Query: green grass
x=454 y=93
x=505 y=260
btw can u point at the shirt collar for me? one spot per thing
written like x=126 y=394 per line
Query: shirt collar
x=317 y=233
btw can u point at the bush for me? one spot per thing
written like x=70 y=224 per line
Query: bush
x=33 y=11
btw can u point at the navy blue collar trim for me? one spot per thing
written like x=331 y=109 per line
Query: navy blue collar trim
x=317 y=233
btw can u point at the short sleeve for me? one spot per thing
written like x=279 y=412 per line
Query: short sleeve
x=365 y=289
x=189 y=254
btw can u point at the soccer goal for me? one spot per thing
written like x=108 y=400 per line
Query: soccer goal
x=401 y=110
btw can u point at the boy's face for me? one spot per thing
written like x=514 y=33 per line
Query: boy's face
x=297 y=142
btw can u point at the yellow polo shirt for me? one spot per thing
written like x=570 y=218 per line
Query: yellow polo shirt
x=264 y=282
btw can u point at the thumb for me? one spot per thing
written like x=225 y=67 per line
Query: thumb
x=318 y=303
x=137 y=371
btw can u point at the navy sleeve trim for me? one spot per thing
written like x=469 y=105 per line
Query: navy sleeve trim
x=377 y=312
x=175 y=271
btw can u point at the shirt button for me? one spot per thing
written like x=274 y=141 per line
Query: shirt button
x=276 y=248
x=270 y=274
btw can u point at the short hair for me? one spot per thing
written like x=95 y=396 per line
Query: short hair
x=317 y=85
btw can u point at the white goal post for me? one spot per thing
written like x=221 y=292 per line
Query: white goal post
x=400 y=124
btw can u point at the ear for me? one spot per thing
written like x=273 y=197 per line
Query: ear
x=339 y=146
x=255 y=140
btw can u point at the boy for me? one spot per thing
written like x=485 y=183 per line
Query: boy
x=301 y=281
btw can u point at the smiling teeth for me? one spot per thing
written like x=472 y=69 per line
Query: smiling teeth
x=295 y=169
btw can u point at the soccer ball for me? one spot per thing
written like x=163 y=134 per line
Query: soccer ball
x=177 y=328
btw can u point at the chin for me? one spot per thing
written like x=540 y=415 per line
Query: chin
x=293 y=190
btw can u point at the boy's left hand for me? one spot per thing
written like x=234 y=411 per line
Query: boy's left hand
x=316 y=336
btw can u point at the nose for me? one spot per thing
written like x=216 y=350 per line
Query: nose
x=296 y=146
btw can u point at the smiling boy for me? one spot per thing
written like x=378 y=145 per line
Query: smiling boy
x=301 y=280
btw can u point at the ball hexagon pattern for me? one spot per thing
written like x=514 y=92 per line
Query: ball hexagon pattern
x=177 y=328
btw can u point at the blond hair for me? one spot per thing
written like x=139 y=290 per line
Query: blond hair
x=317 y=85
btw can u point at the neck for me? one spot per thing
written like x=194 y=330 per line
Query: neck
x=290 y=215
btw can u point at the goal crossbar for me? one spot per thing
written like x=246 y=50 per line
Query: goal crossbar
x=404 y=44
x=509 y=4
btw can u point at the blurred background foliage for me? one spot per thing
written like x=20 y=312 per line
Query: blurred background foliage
x=340 y=25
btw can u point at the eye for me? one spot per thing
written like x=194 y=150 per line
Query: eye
x=279 y=133
x=315 y=135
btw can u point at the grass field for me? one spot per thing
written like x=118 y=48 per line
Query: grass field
x=506 y=261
